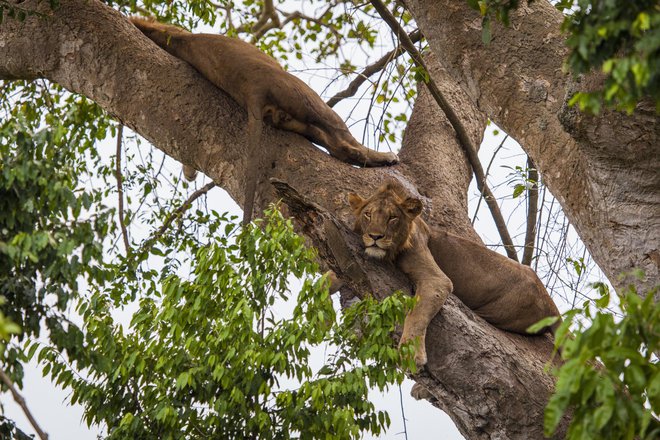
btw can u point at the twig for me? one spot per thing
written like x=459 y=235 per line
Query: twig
x=120 y=189
x=372 y=69
x=492 y=159
x=403 y=414
x=177 y=213
x=461 y=133
x=532 y=210
x=267 y=21
x=538 y=228
x=290 y=16
x=21 y=402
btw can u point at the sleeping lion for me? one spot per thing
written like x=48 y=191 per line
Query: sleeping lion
x=505 y=293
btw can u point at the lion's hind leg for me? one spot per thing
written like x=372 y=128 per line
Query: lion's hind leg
x=339 y=143
x=342 y=145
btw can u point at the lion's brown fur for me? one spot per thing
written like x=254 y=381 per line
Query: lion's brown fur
x=266 y=91
x=503 y=292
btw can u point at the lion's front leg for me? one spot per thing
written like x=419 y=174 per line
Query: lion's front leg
x=432 y=295
x=432 y=287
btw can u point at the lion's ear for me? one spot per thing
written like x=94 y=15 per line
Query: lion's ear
x=412 y=206
x=355 y=201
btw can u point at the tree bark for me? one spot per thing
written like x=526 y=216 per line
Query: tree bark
x=490 y=382
x=603 y=170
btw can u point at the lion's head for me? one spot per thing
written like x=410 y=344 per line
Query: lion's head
x=386 y=220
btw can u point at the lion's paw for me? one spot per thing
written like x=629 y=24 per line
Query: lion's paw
x=391 y=158
x=379 y=159
x=420 y=352
x=420 y=358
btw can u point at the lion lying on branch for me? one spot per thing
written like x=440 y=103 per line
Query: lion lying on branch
x=505 y=293
x=267 y=92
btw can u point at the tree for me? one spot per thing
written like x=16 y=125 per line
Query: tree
x=603 y=169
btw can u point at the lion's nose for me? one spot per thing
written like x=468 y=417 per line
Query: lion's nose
x=376 y=237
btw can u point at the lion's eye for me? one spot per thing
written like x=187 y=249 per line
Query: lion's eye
x=367 y=215
x=393 y=219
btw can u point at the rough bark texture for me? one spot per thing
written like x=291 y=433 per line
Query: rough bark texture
x=603 y=170
x=490 y=382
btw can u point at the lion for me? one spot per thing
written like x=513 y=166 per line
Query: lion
x=267 y=92
x=505 y=293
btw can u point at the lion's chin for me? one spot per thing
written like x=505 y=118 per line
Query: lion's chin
x=375 y=252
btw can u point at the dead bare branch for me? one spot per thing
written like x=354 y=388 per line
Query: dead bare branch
x=492 y=159
x=461 y=132
x=174 y=215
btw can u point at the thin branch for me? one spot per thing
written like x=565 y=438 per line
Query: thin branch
x=20 y=400
x=372 y=69
x=120 y=189
x=290 y=16
x=532 y=210
x=492 y=159
x=461 y=133
x=268 y=20
x=227 y=8
x=174 y=215
x=539 y=221
x=403 y=414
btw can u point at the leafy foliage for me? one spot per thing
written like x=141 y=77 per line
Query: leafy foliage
x=50 y=227
x=610 y=378
x=617 y=37
x=620 y=38
x=209 y=357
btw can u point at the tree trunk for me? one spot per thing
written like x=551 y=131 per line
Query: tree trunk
x=490 y=382
x=603 y=170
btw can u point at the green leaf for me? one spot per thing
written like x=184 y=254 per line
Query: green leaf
x=518 y=189
x=182 y=380
x=485 y=30
x=543 y=323
x=603 y=414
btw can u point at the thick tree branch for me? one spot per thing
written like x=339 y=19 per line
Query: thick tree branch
x=461 y=132
x=603 y=170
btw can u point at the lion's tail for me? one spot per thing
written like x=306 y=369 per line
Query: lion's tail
x=159 y=33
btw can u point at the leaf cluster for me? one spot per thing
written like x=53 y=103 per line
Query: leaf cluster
x=620 y=38
x=610 y=378
x=50 y=226
x=212 y=355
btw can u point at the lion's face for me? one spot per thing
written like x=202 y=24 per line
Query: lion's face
x=385 y=221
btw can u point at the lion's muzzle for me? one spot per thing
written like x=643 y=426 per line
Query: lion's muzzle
x=376 y=246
